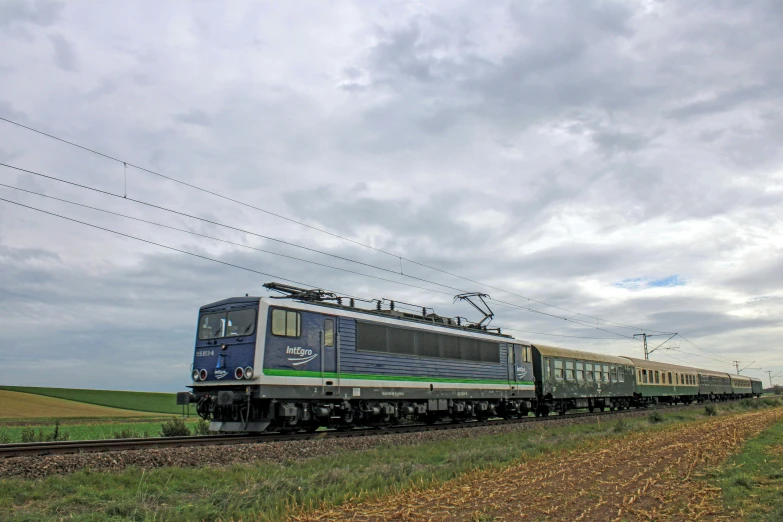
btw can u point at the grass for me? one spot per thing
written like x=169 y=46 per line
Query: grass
x=270 y=491
x=93 y=429
x=127 y=400
x=752 y=480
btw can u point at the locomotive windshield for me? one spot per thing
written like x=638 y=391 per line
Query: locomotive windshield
x=227 y=324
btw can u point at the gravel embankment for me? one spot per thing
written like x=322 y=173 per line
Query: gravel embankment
x=40 y=467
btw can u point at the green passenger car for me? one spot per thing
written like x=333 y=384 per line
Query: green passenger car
x=756 y=386
x=741 y=386
x=661 y=382
x=570 y=379
x=714 y=386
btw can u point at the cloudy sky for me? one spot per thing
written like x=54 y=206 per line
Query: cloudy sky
x=619 y=160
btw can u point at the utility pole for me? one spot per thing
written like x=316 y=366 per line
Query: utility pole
x=647 y=351
x=769 y=372
x=736 y=365
x=644 y=338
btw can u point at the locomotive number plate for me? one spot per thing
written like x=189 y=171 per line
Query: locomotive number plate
x=204 y=353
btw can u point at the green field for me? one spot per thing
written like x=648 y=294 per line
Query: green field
x=75 y=429
x=752 y=481
x=126 y=400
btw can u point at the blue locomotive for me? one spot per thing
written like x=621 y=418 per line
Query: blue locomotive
x=316 y=360
x=312 y=359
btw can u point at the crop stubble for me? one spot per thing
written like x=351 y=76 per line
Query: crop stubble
x=642 y=476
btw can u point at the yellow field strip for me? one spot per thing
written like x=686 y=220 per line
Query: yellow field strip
x=17 y=405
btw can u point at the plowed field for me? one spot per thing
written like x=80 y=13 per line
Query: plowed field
x=653 y=475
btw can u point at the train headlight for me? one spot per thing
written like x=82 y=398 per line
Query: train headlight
x=195 y=375
x=202 y=375
x=239 y=373
x=248 y=372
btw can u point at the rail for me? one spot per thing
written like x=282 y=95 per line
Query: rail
x=31 y=449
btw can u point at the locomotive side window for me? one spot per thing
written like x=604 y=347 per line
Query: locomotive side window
x=328 y=332
x=286 y=323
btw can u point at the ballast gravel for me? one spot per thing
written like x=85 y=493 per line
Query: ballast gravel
x=114 y=461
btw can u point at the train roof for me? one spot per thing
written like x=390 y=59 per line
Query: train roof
x=554 y=351
x=231 y=301
x=655 y=365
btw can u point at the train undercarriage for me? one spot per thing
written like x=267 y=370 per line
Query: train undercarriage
x=240 y=411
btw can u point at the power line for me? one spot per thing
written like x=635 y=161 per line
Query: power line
x=157 y=244
x=205 y=236
x=561 y=335
x=708 y=354
x=501 y=303
x=200 y=256
x=233 y=200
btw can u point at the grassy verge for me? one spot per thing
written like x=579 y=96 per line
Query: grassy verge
x=270 y=490
x=752 y=481
x=89 y=430
x=126 y=400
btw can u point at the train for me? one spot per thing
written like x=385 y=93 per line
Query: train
x=309 y=359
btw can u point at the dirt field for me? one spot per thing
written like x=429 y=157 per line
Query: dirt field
x=17 y=405
x=642 y=476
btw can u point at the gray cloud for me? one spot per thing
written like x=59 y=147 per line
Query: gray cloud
x=38 y=12
x=552 y=150
x=64 y=55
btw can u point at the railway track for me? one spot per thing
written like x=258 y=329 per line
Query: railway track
x=31 y=449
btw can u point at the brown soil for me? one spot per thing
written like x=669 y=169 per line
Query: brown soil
x=652 y=475
x=18 y=405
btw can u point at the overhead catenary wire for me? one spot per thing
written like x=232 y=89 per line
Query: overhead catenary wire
x=133 y=200
x=154 y=243
x=359 y=243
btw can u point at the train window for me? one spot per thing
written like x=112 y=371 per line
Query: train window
x=670 y=377
x=638 y=376
x=510 y=354
x=589 y=371
x=569 y=365
x=613 y=371
x=621 y=374
x=644 y=376
x=549 y=370
x=580 y=371
x=227 y=324
x=328 y=332
x=528 y=355
x=286 y=323
x=212 y=326
x=558 y=369
x=606 y=373
x=657 y=377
